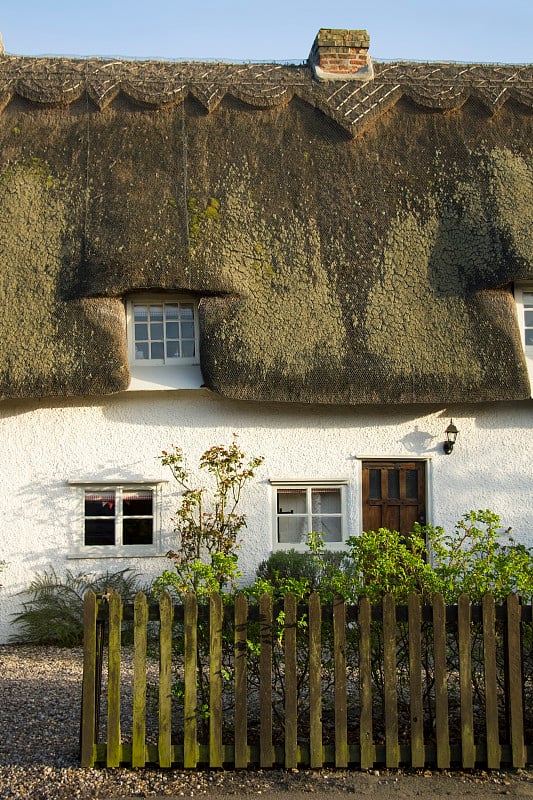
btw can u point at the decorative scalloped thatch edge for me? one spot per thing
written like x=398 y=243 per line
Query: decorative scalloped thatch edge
x=156 y=84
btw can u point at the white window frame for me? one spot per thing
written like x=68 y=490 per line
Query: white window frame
x=151 y=375
x=156 y=300
x=519 y=291
x=118 y=550
x=333 y=483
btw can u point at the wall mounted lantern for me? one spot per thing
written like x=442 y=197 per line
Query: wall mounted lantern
x=451 y=437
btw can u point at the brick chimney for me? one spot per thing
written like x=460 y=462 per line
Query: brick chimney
x=340 y=55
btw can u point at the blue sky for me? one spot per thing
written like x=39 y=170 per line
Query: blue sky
x=460 y=30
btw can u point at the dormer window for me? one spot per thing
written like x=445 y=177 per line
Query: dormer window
x=163 y=342
x=527 y=298
x=524 y=309
x=164 y=331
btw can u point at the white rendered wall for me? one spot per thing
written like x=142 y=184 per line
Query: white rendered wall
x=44 y=445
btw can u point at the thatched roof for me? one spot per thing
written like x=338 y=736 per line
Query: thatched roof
x=350 y=242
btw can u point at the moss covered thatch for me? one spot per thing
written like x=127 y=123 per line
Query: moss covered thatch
x=349 y=244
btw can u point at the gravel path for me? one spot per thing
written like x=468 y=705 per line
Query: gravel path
x=39 y=727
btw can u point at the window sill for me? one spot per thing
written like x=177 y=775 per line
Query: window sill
x=115 y=552
x=151 y=379
x=300 y=547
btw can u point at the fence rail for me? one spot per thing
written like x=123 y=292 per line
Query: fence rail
x=353 y=687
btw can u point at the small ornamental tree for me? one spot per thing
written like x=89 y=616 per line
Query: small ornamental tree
x=207 y=523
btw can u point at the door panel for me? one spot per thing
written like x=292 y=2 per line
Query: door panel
x=394 y=495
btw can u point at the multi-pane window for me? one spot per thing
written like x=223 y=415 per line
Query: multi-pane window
x=301 y=509
x=523 y=294
x=163 y=332
x=527 y=299
x=118 y=516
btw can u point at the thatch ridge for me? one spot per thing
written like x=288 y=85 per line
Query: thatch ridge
x=157 y=84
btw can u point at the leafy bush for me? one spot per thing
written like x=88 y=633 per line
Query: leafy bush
x=388 y=563
x=54 y=612
x=314 y=570
x=478 y=558
x=375 y=563
x=287 y=564
x=295 y=564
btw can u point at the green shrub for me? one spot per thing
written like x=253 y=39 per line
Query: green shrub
x=53 y=614
x=389 y=563
x=287 y=564
x=314 y=570
x=374 y=563
x=478 y=558
x=296 y=564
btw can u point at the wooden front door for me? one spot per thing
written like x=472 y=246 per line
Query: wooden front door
x=394 y=495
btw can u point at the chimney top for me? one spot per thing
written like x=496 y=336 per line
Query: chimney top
x=341 y=55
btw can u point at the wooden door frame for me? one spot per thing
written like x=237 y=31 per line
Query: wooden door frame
x=427 y=460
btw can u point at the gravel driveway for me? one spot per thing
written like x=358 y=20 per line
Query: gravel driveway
x=39 y=726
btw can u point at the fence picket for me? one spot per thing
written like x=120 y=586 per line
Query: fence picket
x=165 y=681
x=241 y=682
x=315 y=682
x=341 y=701
x=90 y=683
x=365 y=684
x=491 y=685
x=138 y=748
x=190 y=668
x=392 y=748
x=291 y=684
x=113 y=684
x=441 y=683
x=514 y=661
x=266 y=757
x=464 y=629
x=416 y=708
x=216 y=757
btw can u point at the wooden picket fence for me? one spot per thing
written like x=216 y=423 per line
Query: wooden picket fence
x=372 y=737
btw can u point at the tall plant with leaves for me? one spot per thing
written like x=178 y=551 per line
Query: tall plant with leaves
x=207 y=522
x=478 y=558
